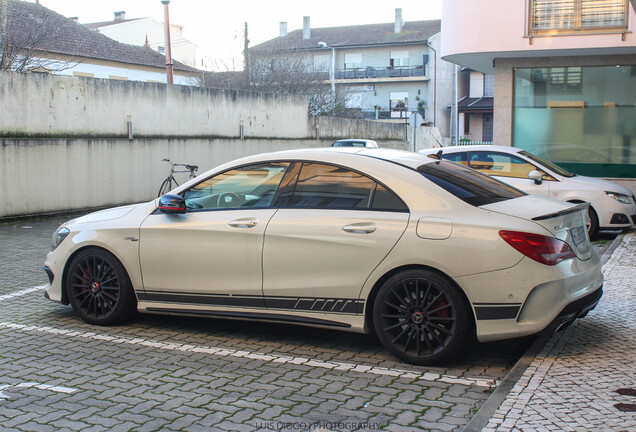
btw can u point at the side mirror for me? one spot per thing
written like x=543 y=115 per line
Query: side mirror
x=172 y=204
x=536 y=176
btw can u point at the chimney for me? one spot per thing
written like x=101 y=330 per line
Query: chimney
x=283 y=29
x=398 y=21
x=306 y=29
x=120 y=16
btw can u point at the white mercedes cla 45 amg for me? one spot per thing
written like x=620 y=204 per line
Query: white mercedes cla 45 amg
x=423 y=252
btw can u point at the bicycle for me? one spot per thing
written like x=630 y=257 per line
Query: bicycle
x=166 y=186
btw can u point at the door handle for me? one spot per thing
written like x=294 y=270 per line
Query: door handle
x=243 y=223
x=361 y=228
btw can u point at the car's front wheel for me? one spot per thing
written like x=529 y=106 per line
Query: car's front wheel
x=421 y=317
x=99 y=288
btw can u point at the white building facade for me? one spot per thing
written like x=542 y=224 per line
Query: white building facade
x=142 y=31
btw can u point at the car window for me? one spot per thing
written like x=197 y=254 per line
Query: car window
x=550 y=165
x=331 y=186
x=384 y=199
x=248 y=186
x=468 y=185
x=459 y=157
x=503 y=165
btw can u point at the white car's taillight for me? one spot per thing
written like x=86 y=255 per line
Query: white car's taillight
x=546 y=250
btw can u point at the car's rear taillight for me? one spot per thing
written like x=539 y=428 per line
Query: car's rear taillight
x=546 y=250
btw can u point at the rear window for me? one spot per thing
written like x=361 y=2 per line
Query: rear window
x=467 y=184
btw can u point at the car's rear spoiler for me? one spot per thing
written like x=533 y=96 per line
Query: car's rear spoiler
x=577 y=208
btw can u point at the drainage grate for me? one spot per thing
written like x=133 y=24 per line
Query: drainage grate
x=625 y=407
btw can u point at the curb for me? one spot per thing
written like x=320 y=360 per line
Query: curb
x=482 y=417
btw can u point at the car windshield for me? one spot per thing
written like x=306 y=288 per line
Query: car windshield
x=549 y=165
x=467 y=184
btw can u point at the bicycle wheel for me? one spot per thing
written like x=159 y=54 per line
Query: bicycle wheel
x=166 y=186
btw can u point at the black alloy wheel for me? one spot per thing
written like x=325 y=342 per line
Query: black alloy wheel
x=420 y=317
x=99 y=289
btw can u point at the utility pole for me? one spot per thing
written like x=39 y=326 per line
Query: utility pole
x=3 y=32
x=166 y=19
x=246 y=57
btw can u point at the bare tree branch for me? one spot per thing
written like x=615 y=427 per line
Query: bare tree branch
x=20 y=39
x=285 y=73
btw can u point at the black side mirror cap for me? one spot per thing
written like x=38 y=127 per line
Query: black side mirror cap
x=172 y=204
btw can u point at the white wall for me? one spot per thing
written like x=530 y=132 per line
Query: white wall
x=134 y=33
x=442 y=80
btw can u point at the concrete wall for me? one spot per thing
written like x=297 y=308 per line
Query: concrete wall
x=35 y=105
x=64 y=145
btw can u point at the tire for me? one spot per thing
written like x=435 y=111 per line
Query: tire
x=592 y=228
x=421 y=317
x=99 y=288
x=166 y=187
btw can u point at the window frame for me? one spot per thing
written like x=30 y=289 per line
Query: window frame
x=578 y=28
x=353 y=65
x=238 y=167
x=290 y=180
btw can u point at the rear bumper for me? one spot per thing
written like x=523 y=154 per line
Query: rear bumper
x=543 y=297
x=576 y=309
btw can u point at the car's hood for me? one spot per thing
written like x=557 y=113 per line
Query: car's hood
x=563 y=220
x=108 y=214
x=597 y=183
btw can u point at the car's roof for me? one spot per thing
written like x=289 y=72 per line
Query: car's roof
x=481 y=147
x=405 y=158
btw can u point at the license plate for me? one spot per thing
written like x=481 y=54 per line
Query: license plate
x=578 y=235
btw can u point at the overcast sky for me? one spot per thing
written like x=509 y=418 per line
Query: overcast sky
x=217 y=26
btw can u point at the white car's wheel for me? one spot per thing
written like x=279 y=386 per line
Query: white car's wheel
x=99 y=289
x=421 y=317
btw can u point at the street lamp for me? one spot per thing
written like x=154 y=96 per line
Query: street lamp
x=333 y=71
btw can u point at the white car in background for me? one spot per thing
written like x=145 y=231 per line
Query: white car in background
x=425 y=253
x=611 y=206
x=355 y=142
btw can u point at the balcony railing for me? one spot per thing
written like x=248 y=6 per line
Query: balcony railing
x=380 y=72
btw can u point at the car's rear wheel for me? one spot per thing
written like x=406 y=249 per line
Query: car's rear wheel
x=592 y=227
x=421 y=317
x=99 y=288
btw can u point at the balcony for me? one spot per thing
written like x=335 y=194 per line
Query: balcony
x=375 y=73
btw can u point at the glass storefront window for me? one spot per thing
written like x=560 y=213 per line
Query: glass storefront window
x=583 y=118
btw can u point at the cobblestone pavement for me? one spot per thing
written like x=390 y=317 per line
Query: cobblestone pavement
x=572 y=384
x=172 y=373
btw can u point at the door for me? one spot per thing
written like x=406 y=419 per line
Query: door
x=212 y=254
x=333 y=228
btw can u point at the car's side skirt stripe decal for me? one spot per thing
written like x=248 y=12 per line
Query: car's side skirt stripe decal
x=250 y=315
x=317 y=304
